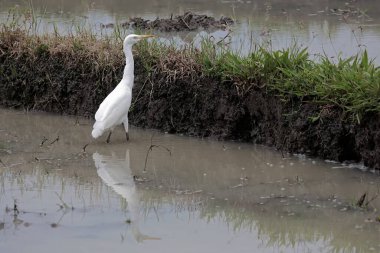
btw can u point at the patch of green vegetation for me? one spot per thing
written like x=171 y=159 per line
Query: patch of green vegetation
x=352 y=84
x=77 y=46
x=150 y=53
x=42 y=49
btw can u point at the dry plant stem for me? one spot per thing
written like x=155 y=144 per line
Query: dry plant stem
x=361 y=200
x=84 y=147
x=55 y=140
x=44 y=139
x=63 y=202
x=3 y=163
x=151 y=148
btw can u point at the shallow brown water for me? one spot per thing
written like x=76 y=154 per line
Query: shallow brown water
x=335 y=28
x=192 y=195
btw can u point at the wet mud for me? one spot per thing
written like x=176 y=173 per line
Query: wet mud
x=189 y=21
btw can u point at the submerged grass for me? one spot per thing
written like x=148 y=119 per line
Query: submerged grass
x=351 y=84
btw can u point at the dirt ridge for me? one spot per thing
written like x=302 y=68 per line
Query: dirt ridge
x=74 y=80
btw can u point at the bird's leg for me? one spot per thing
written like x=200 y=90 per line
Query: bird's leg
x=125 y=123
x=109 y=137
x=127 y=136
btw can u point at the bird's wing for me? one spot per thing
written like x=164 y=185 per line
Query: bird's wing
x=116 y=104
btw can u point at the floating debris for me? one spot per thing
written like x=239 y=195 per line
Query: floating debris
x=140 y=179
x=236 y=186
x=187 y=192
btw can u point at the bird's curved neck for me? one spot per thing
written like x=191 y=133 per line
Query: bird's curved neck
x=128 y=75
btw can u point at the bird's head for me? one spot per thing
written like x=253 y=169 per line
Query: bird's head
x=134 y=38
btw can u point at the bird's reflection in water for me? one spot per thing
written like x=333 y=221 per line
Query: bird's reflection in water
x=116 y=173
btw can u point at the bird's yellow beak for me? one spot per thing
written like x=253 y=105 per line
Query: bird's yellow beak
x=146 y=36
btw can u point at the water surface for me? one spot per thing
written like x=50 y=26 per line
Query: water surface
x=335 y=28
x=185 y=195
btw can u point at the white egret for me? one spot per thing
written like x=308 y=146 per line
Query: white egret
x=114 y=109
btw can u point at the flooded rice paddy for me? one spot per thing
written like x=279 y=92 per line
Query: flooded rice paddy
x=167 y=193
x=335 y=28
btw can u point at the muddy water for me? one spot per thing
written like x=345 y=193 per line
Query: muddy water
x=184 y=195
x=335 y=28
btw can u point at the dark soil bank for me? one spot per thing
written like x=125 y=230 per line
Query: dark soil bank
x=73 y=80
x=203 y=107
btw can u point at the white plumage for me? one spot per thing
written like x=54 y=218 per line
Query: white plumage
x=113 y=111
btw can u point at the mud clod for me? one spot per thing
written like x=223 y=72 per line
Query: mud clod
x=187 y=22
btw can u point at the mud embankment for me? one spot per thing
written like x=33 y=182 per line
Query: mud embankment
x=74 y=75
x=200 y=106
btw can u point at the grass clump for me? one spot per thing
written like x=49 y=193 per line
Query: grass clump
x=351 y=84
x=42 y=49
